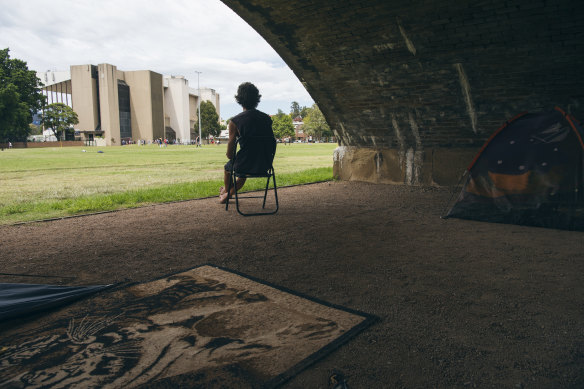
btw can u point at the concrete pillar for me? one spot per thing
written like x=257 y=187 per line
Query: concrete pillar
x=84 y=97
x=146 y=104
x=176 y=105
x=108 y=102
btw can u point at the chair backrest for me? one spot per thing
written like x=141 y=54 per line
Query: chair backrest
x=256 y=155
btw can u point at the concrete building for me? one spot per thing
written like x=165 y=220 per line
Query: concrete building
x=128 y=105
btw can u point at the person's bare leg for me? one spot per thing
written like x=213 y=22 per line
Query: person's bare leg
x=226 y=180
x=239 y=182
x=223 y=191
x=225 y=183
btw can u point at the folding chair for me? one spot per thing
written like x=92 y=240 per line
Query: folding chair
x=259 y=158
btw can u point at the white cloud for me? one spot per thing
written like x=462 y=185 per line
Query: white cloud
x=170 y=37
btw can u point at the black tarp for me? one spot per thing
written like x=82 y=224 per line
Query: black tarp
x=17 y=300
x=530 y=172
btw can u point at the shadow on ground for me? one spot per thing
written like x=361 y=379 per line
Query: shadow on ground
x=461 y=303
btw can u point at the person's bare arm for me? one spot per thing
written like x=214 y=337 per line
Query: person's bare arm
x=232 y=138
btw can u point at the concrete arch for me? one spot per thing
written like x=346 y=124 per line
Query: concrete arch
x=414 y=88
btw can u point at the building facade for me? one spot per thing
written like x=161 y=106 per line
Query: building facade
x=123 y=106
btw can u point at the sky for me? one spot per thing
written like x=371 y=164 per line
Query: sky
x=172 y=37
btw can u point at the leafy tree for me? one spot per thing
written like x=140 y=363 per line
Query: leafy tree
x=20 y=97
x=209 y=120
x=14 y=114
x=294 y=109
x=35 y=130
x=60 y=118
x=282 y=125
x=315 y=124
x=304 y=112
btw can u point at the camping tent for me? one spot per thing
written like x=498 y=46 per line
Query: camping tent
x=529 y=172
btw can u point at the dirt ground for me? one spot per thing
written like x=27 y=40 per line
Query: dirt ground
x=461 y=303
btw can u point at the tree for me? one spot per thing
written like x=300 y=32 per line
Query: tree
x=14 y=114
x=35 y=130
x=294 y=109
x=282 y=125
x=60 y=118
x=209 y=120
x=315 y=124
x=20 y=97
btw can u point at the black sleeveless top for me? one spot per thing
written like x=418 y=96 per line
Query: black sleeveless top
x=251 y=123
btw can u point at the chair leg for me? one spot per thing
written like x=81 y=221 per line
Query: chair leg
x=266 y=193
x=275 y=191
x=236 y=196
x=231 y=182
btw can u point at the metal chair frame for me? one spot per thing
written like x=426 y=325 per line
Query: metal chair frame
x=270 y=174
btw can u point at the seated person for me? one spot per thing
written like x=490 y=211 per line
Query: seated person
x=250 y=122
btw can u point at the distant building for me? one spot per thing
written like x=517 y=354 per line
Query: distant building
x=298 y=131
x=128 y=105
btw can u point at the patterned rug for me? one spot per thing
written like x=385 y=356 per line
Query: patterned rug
x=206 y=327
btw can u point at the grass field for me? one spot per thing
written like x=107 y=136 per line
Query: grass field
x=54 y=182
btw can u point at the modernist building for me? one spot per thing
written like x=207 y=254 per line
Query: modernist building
x=128 y=105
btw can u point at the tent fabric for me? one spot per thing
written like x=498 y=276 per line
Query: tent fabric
x=529 y=172
x=17 y=300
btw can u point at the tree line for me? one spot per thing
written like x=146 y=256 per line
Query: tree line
x=21 y=97
x=313 y=122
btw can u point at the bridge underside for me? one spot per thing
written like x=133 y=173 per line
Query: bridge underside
x=413 y=88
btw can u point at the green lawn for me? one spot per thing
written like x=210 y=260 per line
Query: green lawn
x=54 y=182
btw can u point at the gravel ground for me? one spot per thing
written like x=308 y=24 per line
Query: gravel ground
x=461 y=303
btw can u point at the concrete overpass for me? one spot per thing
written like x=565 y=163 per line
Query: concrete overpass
x=413 y=88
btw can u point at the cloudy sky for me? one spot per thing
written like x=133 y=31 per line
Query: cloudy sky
x=172 y=37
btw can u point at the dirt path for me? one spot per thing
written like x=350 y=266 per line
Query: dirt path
x=461 y=303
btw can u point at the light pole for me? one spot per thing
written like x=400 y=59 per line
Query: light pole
x=199 y=107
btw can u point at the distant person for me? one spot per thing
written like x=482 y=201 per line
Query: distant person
x=9 y=145
x=250 y=122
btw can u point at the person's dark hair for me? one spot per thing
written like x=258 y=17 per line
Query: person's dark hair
x=248 y=96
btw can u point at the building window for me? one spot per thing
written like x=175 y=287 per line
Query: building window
x=124 y=104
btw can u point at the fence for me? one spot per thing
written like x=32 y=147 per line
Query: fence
x=35 y=145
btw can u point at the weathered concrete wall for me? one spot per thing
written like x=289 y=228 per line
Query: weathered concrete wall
x=435 y=166
x=418 y=77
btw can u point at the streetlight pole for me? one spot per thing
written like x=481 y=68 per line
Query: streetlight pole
x=199 y=106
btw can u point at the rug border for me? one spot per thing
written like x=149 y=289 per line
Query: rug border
x=369 y=319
